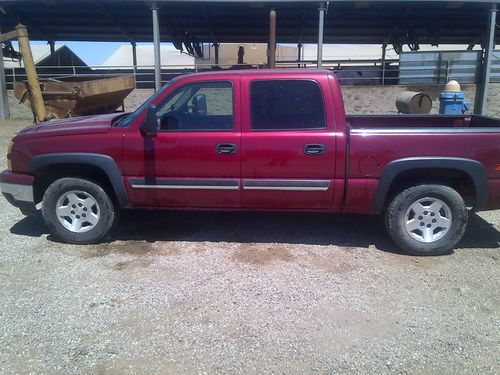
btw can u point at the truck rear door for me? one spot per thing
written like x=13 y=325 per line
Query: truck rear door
x=288 y=144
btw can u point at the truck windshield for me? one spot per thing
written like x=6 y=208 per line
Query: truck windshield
x=127 y=119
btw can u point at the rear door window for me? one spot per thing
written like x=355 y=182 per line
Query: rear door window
x=280 y=105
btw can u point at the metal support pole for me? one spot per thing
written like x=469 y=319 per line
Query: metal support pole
x=53 y=61
x=299 y=53
x=216 y=53
x=4 y=99
x=156 y=41
x=320 y=33
x=36 y=98
x=52 y=45
x=134 y=58
x=384 y=50
x=272 y=39
x=483 y=87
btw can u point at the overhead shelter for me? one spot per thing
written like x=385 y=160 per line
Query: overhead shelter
x=223 y=21
x=187 y=23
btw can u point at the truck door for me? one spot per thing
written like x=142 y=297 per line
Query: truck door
x=288 y=144
x=194 y=160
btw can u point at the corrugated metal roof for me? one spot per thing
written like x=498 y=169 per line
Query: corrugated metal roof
x=376 y=21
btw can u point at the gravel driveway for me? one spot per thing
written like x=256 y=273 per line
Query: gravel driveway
x=245 y=293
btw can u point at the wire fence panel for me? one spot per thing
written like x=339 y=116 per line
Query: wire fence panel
x=495 y=67
x=439 y=67
x=412 y=68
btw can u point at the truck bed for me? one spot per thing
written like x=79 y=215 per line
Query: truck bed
x=476 y=122
x=377 y=141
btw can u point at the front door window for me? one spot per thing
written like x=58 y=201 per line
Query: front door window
x=204 y=106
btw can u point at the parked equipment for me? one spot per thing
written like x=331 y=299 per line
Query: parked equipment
x=79 y=96
x=21 y=34
x=452 y=100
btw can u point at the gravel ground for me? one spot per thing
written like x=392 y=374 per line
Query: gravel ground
x=245 y=293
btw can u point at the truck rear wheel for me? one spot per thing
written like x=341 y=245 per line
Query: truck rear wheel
x=77 y=211
x=427 y=219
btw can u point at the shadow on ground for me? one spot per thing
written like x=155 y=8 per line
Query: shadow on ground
x=262 y=227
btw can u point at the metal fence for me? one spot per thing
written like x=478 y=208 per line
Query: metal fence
x=440 y=67
x=354 y=72
x=144 y=75
x=349 y=72
x=411 y=68
x=495 y=67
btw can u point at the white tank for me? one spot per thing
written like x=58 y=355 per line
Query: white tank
x=452 y=86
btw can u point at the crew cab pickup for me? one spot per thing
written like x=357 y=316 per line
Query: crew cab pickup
x=258 y=140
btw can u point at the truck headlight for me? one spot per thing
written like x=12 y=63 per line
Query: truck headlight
x=9 y=156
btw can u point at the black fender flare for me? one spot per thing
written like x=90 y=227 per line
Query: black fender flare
x=474 y=169
x=103 y=162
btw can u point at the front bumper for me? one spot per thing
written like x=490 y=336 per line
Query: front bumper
x=17 y=188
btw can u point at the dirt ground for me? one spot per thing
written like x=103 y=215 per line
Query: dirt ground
x=249 y=293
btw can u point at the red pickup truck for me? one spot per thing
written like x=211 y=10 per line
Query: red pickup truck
x=258 y=140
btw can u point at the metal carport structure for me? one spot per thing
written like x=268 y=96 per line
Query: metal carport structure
x=403 y=22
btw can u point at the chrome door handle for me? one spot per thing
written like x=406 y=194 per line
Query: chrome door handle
x=314 y=149
x=226 y=148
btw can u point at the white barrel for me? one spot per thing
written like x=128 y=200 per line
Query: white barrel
x=453 y=86
x=410 y=102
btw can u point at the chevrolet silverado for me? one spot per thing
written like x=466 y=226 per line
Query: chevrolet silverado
x=258 y=140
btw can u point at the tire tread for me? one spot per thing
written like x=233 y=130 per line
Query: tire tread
x=108 y=210
x=399 y=205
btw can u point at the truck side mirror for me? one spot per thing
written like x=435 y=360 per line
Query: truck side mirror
x=200 y=104
x=150 y=125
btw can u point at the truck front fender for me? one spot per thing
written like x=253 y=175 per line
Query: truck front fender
x=474 y=169
x=103 y=162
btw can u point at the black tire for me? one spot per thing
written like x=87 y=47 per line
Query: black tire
x=107 y=211
x=396 y=219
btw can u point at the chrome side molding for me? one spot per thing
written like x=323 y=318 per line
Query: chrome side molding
x=184 y=184
x=287 y=185
x=253 y=184
x=422 y=130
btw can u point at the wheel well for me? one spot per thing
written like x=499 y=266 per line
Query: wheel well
x=456 y=179
x=48 y=174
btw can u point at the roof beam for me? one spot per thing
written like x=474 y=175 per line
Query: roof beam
x=114 y=22
x=211 y=28
x=243 y=21
x=397 y=27
x=29 y=25
x=302 y=22
x=167 y=25
x=291 y=1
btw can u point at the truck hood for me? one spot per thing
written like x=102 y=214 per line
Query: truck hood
x=77 y=125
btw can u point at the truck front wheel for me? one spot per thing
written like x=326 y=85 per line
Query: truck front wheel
x=427 y=219
x=77 y=211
